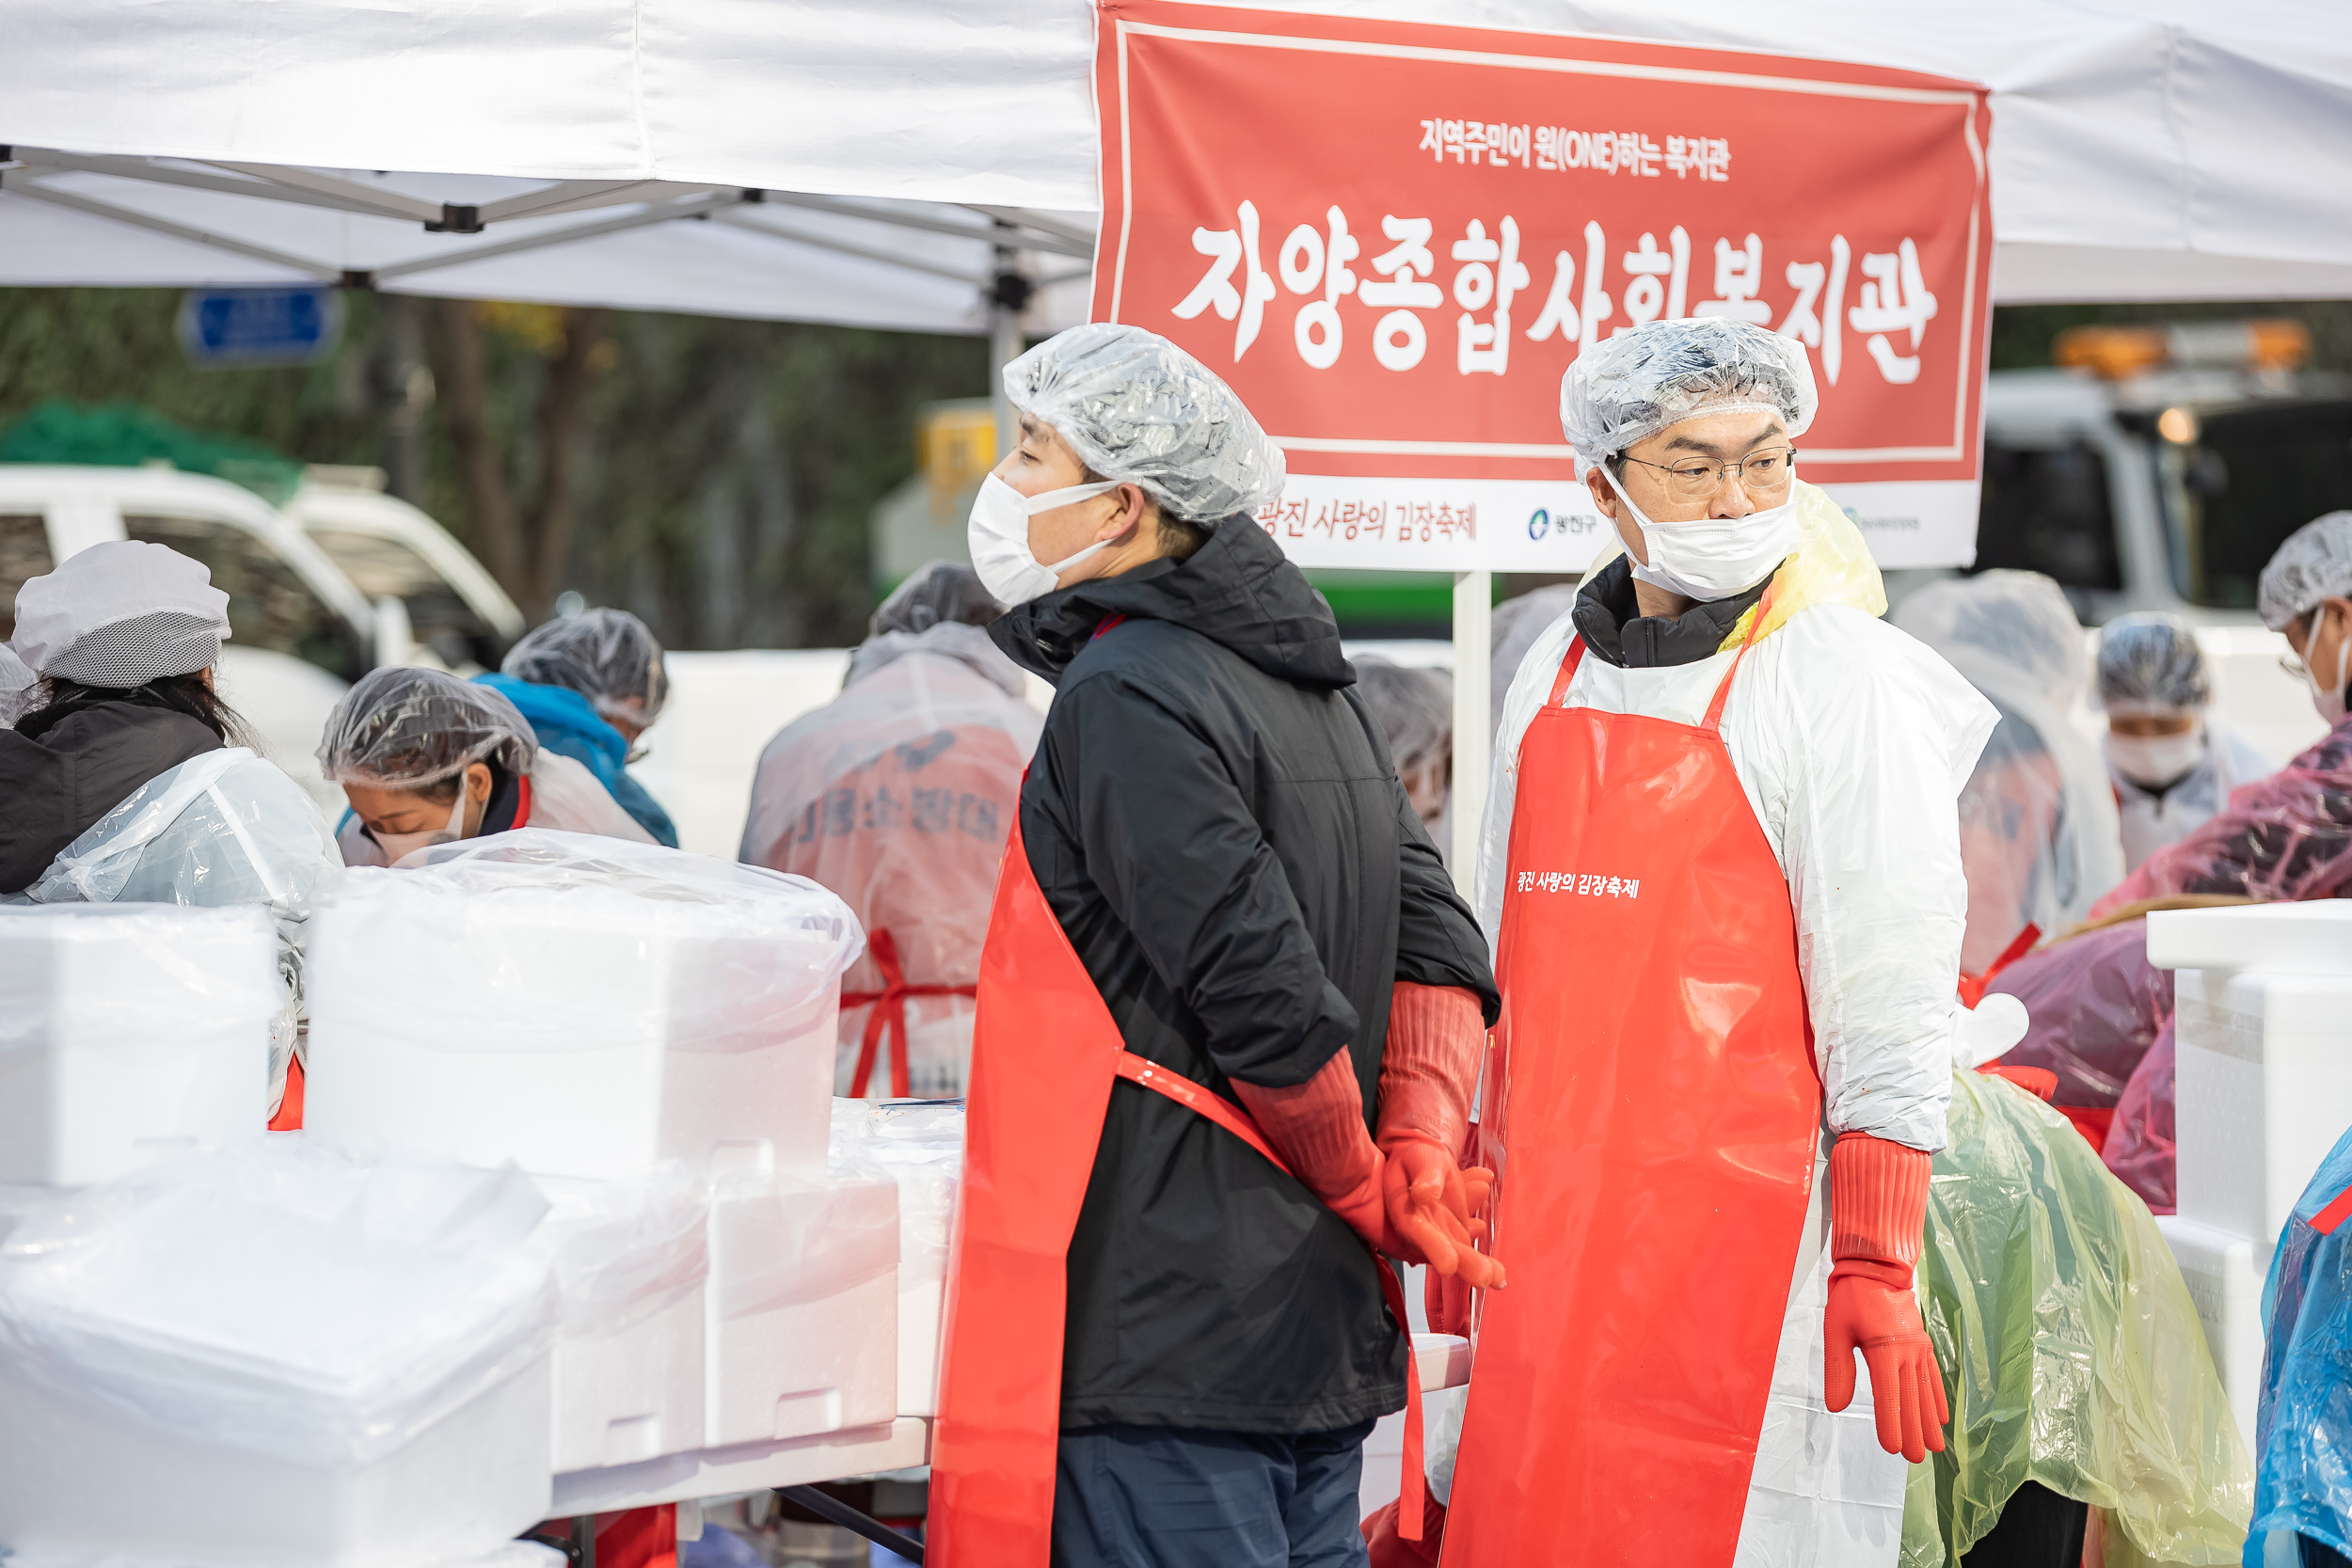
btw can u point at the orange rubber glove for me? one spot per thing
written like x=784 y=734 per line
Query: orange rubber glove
x=1878 y=1200
x=1318 y=1129
x=1428 y=1072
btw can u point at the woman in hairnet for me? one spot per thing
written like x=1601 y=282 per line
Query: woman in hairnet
x=128 y=779
x=425 y=758
x=2172 y=764
x=898 y=795
x=1415 y=709
x=1720 y=864
x=590 y=684
x=2038 y=826
x=2289 y=835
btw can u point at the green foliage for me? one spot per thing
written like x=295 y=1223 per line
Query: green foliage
x=125 y=435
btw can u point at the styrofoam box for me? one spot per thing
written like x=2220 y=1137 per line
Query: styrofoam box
x=80 y=1477
x=2263 y=1085
x=824 y=1363
x=129 y=1030
x=632 y=1394
x=922 y=1326
x=625 y=1089
x=2224 y=1274
x=2313 y=936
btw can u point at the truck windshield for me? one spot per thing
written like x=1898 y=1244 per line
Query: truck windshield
x=439 y=616
x=2046 y=509
x=2255 y=475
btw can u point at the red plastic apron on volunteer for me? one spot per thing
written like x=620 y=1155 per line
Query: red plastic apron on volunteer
x=1652 y=1114
x=1045 y=1051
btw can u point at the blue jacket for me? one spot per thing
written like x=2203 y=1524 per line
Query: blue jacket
x=568 y=724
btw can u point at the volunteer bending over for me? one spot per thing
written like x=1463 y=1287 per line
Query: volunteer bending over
x=2172 y=764
x=1222 y=938
x=590 y=684
x=425 y=758
x=128 y=779
x=898 y=795
x=1721 y=858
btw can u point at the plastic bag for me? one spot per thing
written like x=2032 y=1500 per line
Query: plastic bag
x=624 y=1249
x=2097 y=1005
x=919 y=1145
x=127 y=974
x=285 y=1300
x=899 y=795
x=536 y=941
x=2140 y=1148
x=2071 y=1349
x=2288 y=836
x=2303 y=1433
x=819 y=1239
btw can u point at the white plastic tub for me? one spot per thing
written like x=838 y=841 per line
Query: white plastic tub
x=582 y=1006
x=802 y=1328
x=129 y=1031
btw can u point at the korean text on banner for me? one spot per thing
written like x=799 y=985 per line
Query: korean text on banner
x=1393 y=239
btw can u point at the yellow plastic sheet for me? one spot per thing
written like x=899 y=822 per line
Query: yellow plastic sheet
x=2069 y=1348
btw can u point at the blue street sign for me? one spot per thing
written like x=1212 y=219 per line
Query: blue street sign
x=259 y=326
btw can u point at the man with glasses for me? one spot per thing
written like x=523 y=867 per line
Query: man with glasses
x=1728 y=914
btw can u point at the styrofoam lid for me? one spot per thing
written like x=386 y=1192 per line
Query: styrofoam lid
x=2312 y=937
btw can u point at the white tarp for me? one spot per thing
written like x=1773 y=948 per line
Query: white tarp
x=2167 y=149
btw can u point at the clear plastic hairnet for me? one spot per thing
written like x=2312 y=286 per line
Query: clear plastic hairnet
x=1135 y=408
x=936 y=590
x=120 y=614
x=608 y=655
x=2040 y=836
x=2149 y=663
x=1628 y=388
x=2314 y=564
x=404 y=729
x=1414 y=707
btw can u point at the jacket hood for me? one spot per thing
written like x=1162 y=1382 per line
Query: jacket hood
x=1238 y=589
x=560 y=710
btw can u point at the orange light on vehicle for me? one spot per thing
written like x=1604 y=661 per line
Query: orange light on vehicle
x=2111 y=353
x=2177 y=426
x=2279 y=344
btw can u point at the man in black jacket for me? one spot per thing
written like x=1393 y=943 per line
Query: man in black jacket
x=1213 y=820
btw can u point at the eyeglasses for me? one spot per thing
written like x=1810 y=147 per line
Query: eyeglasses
x=1764 y=473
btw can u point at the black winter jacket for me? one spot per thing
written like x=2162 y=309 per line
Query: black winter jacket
x=1213 y=816
x=53 y=788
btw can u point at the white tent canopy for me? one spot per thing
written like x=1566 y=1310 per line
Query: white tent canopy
x=862 y=160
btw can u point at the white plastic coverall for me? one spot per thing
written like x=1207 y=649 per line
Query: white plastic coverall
x=2151 y=822
x=1851 y=741
x=221 y=829
x=565 y=796
x=938 y=711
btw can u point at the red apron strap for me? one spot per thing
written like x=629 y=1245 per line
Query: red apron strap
x=1723 y=691
x=1972 y=987
x=889 y=1016
x=1232 y=1118
x=1568 y=664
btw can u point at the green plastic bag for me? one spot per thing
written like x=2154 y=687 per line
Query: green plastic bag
x=2069 y=1348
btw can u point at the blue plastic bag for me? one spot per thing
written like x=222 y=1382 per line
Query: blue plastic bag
x=2303 y=1430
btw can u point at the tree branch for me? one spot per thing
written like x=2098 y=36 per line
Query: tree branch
x=553 y=517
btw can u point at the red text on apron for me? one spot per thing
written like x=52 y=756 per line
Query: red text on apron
x=1651 y=1112
x=1044 y=1054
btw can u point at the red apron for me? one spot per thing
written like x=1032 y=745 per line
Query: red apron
x=889 y=1015
x=1044 y=1053
x=1652 y=1115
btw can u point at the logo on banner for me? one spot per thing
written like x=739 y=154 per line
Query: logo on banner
x=1395 y=284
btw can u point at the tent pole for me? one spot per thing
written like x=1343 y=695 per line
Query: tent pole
x=1473 y=740
x=1004 y=347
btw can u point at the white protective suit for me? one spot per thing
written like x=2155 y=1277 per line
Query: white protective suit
x=898 y=796
x=2151 y=822
x=1852 y=741
x=225 y=828
x=565 y=796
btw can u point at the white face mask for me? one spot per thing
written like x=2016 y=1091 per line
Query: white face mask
x=998 y=534
x=2156 y=761
x=396 y=846
x=2329 y=700
x=1714 y=558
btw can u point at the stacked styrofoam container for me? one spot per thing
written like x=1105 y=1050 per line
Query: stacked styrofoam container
x=2263 y=1089
x=919 y=1144
x=652 y=1032
x=275 y=1356
x=129 y=1031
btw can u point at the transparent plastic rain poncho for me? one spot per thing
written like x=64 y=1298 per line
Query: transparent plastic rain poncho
x=2286 y=837
x=222 y=828
x=1517 y=625
x=2039 y=832
x=2097 y=1005
x=282 y=1299
x=2070 y=1350
x=2314 y=562
x=1135 y=408
x=608 y=655
x=577 y=943
x=2303 y=1430
x=1623 y=391
x=898 y=795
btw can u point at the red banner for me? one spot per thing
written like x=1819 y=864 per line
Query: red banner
x=1393 y=239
